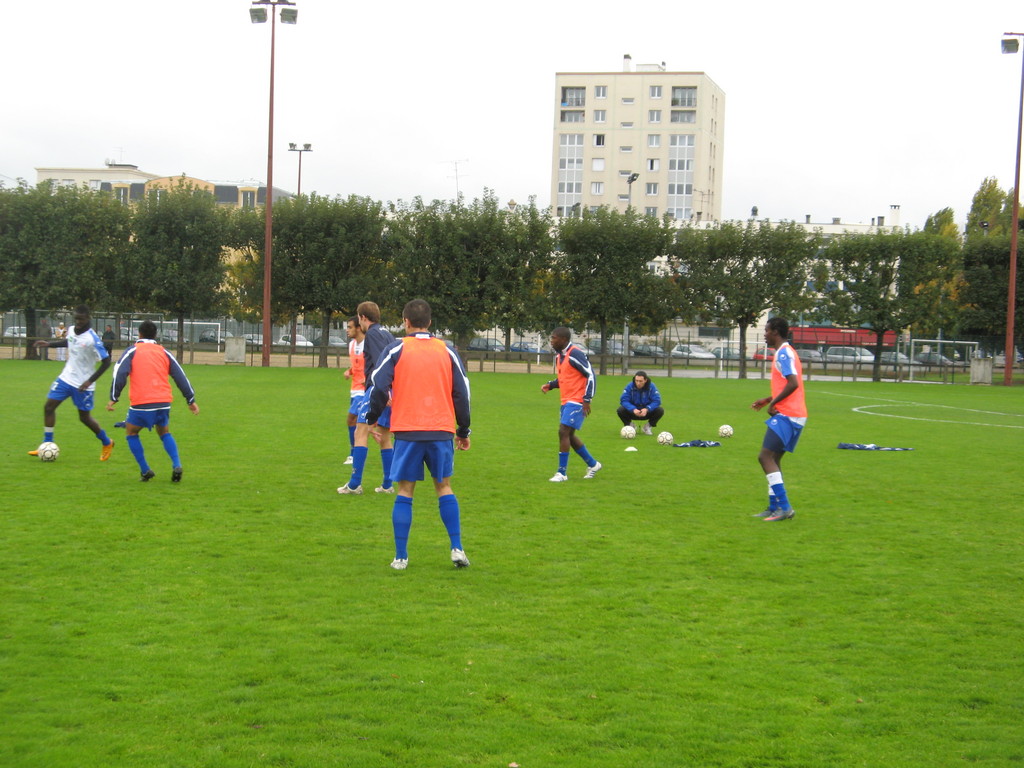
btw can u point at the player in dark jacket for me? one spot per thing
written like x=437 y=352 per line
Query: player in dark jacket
x=641 y=401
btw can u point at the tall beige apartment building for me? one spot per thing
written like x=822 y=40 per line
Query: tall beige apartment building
x=643 y=137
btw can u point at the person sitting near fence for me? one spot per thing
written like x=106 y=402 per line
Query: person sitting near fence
x=641 y=401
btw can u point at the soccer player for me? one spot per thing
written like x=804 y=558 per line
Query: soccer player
x=430 y=420
x=148 y=365
x=356 y=374
x=788 y=413
x=376 y=340
x=641 y=401
x=78 y=378
x=575 y=378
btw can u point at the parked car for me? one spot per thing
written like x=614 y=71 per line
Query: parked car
x=300 y=341
x=332 y=341
x=765 y=354
x=254 y=339
x=936 y=358
x=480 y=344
x=168 y=335
x=693 y=352
x=613 y=347
x=15 y=332
x=208 y=337
x=849 y=355
x=895 y=358
x=726 y=353
x=810 y=355
x=526 y=346
x=649 y=350
x=129 y=334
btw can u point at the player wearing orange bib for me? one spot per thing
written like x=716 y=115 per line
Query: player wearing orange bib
x=788 y=413
x=356 y=375
x=429 y=419
x=576 y=381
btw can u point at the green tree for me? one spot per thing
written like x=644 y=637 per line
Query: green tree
x=982 y=293
x=58 y=248
x=943 y=223
x=180 y=236
x=890 y=281
x=601 y=273
x=989 y=214
x=328 y=255
x=733 y=273
x=474 y=264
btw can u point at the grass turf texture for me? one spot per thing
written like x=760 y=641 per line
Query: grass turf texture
x=248 y=617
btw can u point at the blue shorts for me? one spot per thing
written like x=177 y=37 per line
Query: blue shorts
x=60 y=391
x=356 y=403
x=141 y=417
x=384 y=420
x=782 y=434
x=412 y=455
x=572 y=415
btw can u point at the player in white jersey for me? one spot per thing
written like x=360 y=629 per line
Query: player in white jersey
x=78 y=378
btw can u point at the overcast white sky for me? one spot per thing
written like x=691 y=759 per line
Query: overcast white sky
x=832 y=109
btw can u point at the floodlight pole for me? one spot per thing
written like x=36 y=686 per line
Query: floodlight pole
x=296 y=148
x=1010 y=356
x=268 y=207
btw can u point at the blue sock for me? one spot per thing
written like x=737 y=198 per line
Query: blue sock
x=358 y=463
x=351 y=439
x=584 y=454
x=387 y=455
x=47 y=434
x=135 y=446
x=102 y=435
x=449 y=508
x=172 y=449
x=775 y=481
x=563 y=463
x=401 y=521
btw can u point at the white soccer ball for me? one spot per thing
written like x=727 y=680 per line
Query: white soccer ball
x=665 y=438
x=627 y=432
x=725 y=431
x=48 y=452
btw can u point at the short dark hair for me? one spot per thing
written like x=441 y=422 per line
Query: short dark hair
x=369 y=310
x=417 y=312
x=780 y=325
x=147 y=329
x=562 y=332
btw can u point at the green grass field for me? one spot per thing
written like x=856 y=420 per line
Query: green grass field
x=248 y=617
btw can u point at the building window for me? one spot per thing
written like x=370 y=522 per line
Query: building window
x=653 y=164
x=570 y=187
x=654 y=140
x=652 y=188
x=626 y=124
x=600 y=115
x=651 y=210
x=597 y=164
x=598 y=139
x=683 y=116
x=597 y=187
x=121 y=193
x=600 y=91
x=684 y=97
x=626 y=149
x=655 y=92
x=570 y=163
x=680 y=189
x=654 y=115
x=680 y=164
x=95 y=184
x=574 y=97
x=681 y=140
x=249 y=198
x=571 y=139
x=628 y=100
x=575 y=115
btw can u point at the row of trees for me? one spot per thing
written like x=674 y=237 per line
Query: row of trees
x=481 y=265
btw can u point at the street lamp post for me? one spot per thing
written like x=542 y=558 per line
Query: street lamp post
x=258 y=15
x=1010 y=45
x=629 y=186
x=295 y=148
